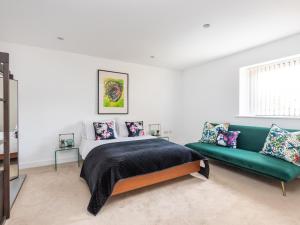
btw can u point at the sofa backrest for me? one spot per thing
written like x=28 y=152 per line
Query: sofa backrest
x=251 y=138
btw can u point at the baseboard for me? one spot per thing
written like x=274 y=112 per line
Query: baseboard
x=40 y=163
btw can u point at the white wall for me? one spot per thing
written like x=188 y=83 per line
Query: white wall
x=211 y=91
x=57 y=90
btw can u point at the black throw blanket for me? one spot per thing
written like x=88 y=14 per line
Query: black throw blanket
x=107 y=164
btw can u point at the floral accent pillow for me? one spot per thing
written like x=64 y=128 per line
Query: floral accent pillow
x=228 y=139
x=104 y=130
x=294 y=140
x=210 y=132
x=135 y=129
x=282 y=144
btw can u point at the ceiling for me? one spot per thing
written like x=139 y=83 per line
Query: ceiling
x=134 y=30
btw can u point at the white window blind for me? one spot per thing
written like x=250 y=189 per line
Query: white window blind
x=274 y=88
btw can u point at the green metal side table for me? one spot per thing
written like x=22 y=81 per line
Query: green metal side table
x=67 y=149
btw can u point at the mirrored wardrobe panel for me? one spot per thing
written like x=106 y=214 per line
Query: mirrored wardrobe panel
x=10 y=180
x=13 y=127
x=4 y=140
x=2 y=216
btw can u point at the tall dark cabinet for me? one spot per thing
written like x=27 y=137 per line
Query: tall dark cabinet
x=10 y=180
x=5 y=181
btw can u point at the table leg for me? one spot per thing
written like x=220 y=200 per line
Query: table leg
x=55 y=160
x=78 y=157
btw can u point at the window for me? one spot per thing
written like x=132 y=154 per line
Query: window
x=271 y=89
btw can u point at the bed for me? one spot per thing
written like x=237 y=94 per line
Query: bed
x=13 y=146
x=112 y=167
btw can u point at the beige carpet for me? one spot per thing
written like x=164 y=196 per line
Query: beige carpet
x=228 y=197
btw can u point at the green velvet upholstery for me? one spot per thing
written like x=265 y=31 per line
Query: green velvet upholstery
x=251 y=138
x=250 y=142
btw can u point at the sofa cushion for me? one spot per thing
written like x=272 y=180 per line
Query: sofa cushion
x=281 y=144
x=252 y=138
x=263 y=164
x=210 y=132
x=228 y=139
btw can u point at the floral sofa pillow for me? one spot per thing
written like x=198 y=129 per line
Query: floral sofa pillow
x=294 y=140
x=282 y=144
x=135 y=129
x=228 y=139
x=104 y=130
x=210 y=132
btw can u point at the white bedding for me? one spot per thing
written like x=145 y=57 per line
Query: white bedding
x=13 y=142
x=87 y=145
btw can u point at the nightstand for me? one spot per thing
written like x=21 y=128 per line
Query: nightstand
x=66 y=149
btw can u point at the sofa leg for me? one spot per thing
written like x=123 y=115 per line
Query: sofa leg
x=283 y=188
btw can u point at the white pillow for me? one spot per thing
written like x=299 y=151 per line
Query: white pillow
x=88 y=131
x=122 y=129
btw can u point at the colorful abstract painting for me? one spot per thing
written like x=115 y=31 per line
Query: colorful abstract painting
x=112 y=92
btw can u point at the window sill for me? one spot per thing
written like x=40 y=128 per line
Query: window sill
x=269 y=117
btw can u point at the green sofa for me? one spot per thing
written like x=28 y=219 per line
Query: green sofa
x=250 y=141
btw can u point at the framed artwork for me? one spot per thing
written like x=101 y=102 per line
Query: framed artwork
x=112 y=92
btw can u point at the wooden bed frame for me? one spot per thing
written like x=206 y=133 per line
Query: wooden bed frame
x=13 y=155
x=136 y=182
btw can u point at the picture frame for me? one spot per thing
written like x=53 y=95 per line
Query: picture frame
x=66 y=140
x=112 y=92
x=155 y=129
